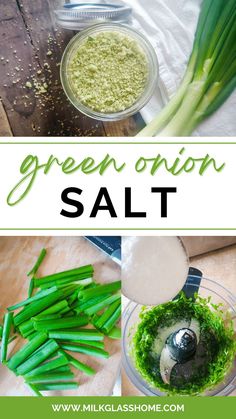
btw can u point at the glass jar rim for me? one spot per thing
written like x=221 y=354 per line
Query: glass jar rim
x=77 y=16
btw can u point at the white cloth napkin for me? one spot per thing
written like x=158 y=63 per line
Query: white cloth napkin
x=170 y=26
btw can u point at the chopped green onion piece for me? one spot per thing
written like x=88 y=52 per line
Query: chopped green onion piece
x=115 y=333
x=99 y=306
x=54 y=309
x=47 y=317
x=95 y=343
x=1 y=329
x=83 y=305
x=36 y=297
x=74 y=305
x=100 y=353
x=38 y=263
x=65 y=310
x=26 y=350
x=31 y=287
x=83 y=334
x=11 y=339
x=62 y=275
x=61 y=323
x=34 y=390
x=66 y=368
x=32 y=335
x=26 y=328
x=100 y=289
x=82 y=280
x=80 y=365
x=37 y=307
x=57 y=386
x=5 y=335
x=110 y=323
x=73 y=298
x=60 y=361
x=100 y=321
x=50 y=377
x=70 y=313
x=37 y=357
x=51 y=356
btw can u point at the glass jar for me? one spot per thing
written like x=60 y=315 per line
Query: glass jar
x=152 y=76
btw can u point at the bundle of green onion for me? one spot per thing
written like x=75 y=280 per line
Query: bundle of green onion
x=210 y=77
x=53 y=320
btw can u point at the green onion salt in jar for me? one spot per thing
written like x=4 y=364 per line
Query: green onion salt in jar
x=109 y=71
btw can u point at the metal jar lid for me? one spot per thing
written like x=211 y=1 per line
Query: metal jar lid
x=77 y=16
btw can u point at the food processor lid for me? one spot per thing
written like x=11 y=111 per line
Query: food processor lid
x=79 y=15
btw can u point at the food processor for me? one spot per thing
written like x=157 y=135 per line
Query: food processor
x=187 y=336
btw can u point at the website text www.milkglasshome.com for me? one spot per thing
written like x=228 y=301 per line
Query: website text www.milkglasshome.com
x=109 y=407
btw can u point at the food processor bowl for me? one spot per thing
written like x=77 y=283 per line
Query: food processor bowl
x=207 y=288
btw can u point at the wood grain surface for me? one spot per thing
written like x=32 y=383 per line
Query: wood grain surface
x=17 y=256
x=31 y=49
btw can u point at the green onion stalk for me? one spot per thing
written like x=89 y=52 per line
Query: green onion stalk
x=87 y=350
x=50 y=377
x=56 y=386
x=210 y=77
x=8 y=321
x=49 y=366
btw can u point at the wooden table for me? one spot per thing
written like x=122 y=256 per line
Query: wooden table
x=31 y=49
x=17 y=254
